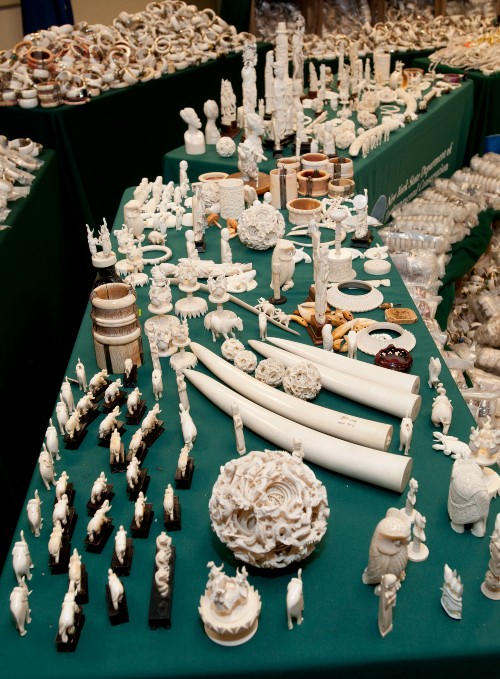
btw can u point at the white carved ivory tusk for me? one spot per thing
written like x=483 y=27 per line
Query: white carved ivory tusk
x=386 y=470
x=374 y=373
x=387 y=399
x=341 y=425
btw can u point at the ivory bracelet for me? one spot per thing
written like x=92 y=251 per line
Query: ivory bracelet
x=386 y=470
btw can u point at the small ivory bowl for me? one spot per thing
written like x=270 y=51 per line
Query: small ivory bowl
x=341 y=167
x=28 y=103
x=341 y=188
x=314 y=161
x=212 y=176
x=302 y=210
x=292 y=163
x=313 y=182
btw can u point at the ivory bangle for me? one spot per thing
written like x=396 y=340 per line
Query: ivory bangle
x=359 y=462
x=349 y=428
x=367 y=371
x=388 y=400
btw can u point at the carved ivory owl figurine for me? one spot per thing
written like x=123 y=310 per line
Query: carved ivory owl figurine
x=283 y=254
x=388 y=548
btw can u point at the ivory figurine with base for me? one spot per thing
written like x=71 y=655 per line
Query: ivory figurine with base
x=71 y=621
x=388 y=548
x=33 y=509
x=78 y=578
x=171 y=509
x=451 y=598
x=116 y=599
x=21 y=559
x=19 y=607
x=230 y=607
x=162 y=586
x=143 y=517
x=121 y=561
x=101 y=491
x=185 y=468
x=490 y=587
x=99 y=528
x=389 y=586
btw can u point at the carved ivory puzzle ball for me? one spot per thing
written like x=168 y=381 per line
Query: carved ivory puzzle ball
x=269 y=508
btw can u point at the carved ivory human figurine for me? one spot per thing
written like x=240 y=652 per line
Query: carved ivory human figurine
x=211 y=111
x=194 y=138
x=238 y=429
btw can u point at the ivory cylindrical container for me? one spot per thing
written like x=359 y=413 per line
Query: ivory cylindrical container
x=314 y=161
x=232 y=198
x=283 y=186
x=341 y=167
x=382 y=67
x=115 y=326
x=313 y=182
x=292 y=163
x=210 y=186
x=341 y=188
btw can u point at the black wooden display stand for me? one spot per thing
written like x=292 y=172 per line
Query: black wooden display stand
x=64 y=554
x=72 y=643
x=131 y=381
x=200 y=245
x=119 y=400
x=105 y=440
x=142 y=531
x=78 y=437
x=91 y=414
x=83 y=595
x=141 y=485
x=175 y=523
x=92 y=507
x=141 y=453
x=117 y=617
x=362 y=243
x=184 y=482
x=100 y=540
x=98 y=394
x=137 y=416
x=124 y=568
x=160 y=608
x=150 y=438
x=71 y=520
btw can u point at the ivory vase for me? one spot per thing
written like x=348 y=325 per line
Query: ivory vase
x=388 y=400
x=334 y=423
x=346 y=365
x=358 y=462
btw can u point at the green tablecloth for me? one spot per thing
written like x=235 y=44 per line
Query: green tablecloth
x=432 y=146
x=339 y=636
x=486 y=119
x=463 y=257
x=37 y=326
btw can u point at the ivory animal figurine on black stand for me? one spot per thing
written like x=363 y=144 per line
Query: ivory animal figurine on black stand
x=116 y=599
x=121 y=561
x=162 y=587
x=185 y=469
x=171 y=510
x=101 y=491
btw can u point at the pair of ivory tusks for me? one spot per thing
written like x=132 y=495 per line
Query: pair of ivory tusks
x=387 y=399
x=359 y=462
x=334 y=423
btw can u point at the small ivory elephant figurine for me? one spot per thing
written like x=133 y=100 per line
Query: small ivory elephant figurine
x=434 y=371
x=405 y=434
x=189 y=431
x=468 y=497
x=97 y=522
x=116 y=450
x=441 y=409
x=139 y=509
x=75 y=571
x=295 y=600
x=62 y=485
x=33 y=509
x=55 y=541
x=110 y=421
x=128 y=367
x=116 y=589
x=81 y=376
x=61 y=511
x=21 y=559
x=62 y=415
x=98 y=380
x=69 y=611
x=168 y=502
x=133 y=401
x=98 y=488
x=46 y=467
x=19 y=606
x=151 y=420
x=132 y=473
x=52 y=441
x=73 y=424
x=157 y=381
x=121 y=544
x=84 y=404
x=112 y=391
x=135 y=443
x=67 y=395
x=183 y=460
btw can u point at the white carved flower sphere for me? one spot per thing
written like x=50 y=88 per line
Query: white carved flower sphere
x=246 y=361
x=270 y=371
x=231 y=347
x=269 y=508
x=225 y=147
x=261 y=226
x=302 y=380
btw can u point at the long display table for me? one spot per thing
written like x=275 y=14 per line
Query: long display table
x=432 y=146
x=486 y=120
x=339 y=634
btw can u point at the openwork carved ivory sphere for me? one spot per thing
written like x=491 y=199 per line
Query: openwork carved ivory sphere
x=269 y=508
x=302 y=380
x=246 y=361
x=261 y=226
x=225 y=147
x=231 y=347
x=270 y=371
